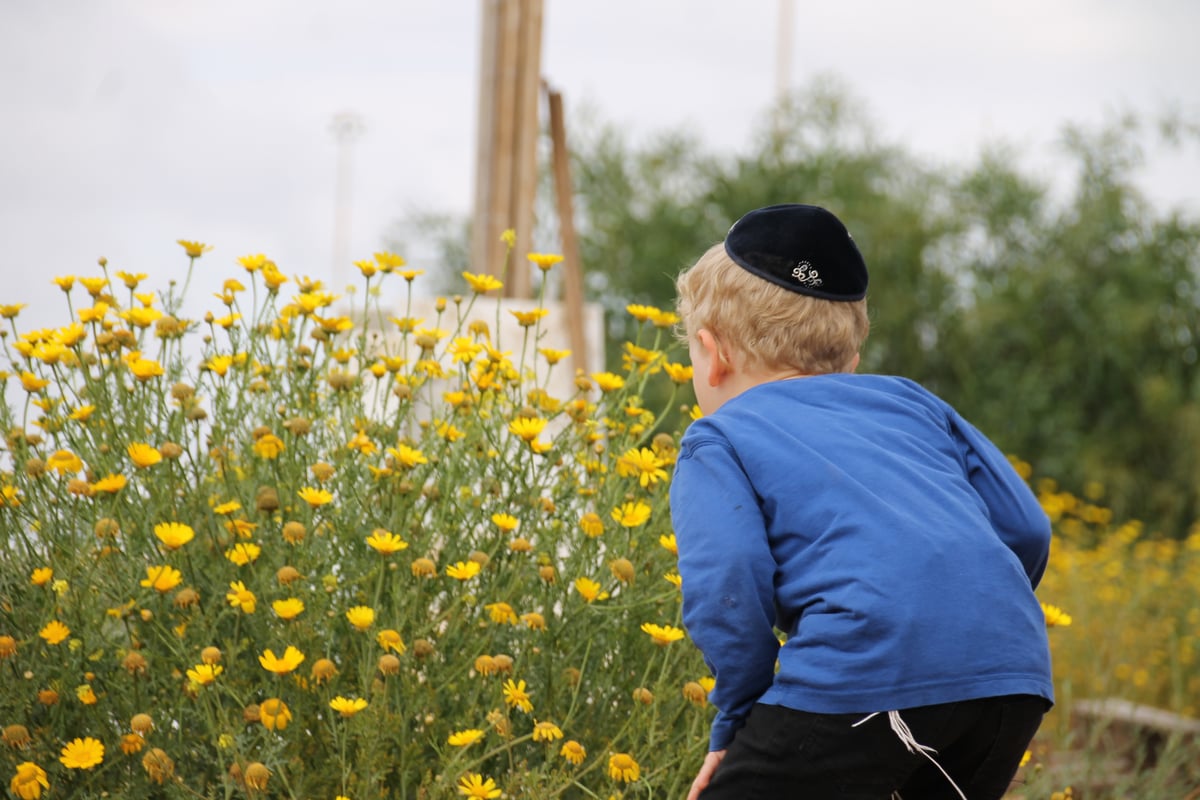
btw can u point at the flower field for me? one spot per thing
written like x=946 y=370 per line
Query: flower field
x=303 y=550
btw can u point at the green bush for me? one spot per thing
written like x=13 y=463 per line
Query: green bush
x=298 y=552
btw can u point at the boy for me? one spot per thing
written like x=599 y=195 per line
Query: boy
x=893 y=545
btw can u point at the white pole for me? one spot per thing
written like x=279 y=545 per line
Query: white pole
x=347 y=127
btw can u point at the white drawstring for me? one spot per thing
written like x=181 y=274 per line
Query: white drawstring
x=905 y=735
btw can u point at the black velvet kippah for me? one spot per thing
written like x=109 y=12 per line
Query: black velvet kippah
x=802 y=248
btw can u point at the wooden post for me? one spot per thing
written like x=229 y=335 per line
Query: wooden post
x=506 y=168
x=572 y=265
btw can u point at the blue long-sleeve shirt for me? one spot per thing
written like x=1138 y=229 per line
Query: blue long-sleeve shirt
x=889 y=540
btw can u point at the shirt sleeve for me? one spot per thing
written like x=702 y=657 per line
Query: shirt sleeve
x=728 y=580
x=1014 y=510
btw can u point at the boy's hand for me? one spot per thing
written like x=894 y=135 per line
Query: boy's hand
x=706 y=772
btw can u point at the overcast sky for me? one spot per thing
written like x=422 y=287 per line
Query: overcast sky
x=128 y=124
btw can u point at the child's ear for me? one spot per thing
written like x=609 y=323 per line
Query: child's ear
x=718 y=365
x=853 y=363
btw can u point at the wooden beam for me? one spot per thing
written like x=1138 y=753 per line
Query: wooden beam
x=524 y=178
x=506 y=166
x=572 y=265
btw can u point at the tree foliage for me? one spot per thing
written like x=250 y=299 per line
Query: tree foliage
x=1064 y=327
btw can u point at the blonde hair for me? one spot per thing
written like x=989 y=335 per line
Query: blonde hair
x=769 y=327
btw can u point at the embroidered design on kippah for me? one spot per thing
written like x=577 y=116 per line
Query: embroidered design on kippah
x=806 y=275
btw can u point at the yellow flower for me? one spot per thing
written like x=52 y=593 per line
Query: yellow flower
x=591 y=524
x=390 y=639
x=482 y=283
x=1055 y=616
x=465 y=738
x=315 y=497
x=158 y=765
x=644 y=464
x=86 y=694
x=274 y=714
x=96 y=313
x=54 y=632
x=132 y=743
x=257 y=775
x=463 y=570
x=674 y=579
x=406 y=456
x=385 y=542
x=553 y=356
x=289 y=608
x=173 y=534
x=252 y=263
x=622 y=767
x=389 y=261
x=268 y=446
x=607 y=381
x=143 y=455
x=664 y=319
x=663 y=635
x=193 y=249
x=534 y=620
x=204 y=674
x=631 y=515
x=573 y=751
x=273 y=277
x=162 y=579
x=144 y=368
x=501 y=613
x=516 y=696
x=8 y=646
x=141 y=317
x=544 y=261
x=475 y=787
x=281 y=666
x=449 y=432
x=82 y=753
x=323 y=670
x=94 y=285
x=361 y=617
x=241 y=597
x=28 y=781
x=463 y=350
x=346 y=706
x=694 y=692
x=425 y=568
x=32 y=383
x=227 y=508
x=546 y=732
x=642 y=313
x=528 y=428
x=219 y=364
x=41 y=576
x=64 y=462
x=11 y=311
x=527 y=318
x=243 y=553
x=589 y=590
x=111 y=484
x=668 y=541
x=679 y=373
x=505 y=522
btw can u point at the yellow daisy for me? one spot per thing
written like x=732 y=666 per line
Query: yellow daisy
x=346 y=706
x=82 y=753
x=291 y=659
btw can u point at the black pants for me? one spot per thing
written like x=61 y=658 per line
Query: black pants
x=782 y=753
